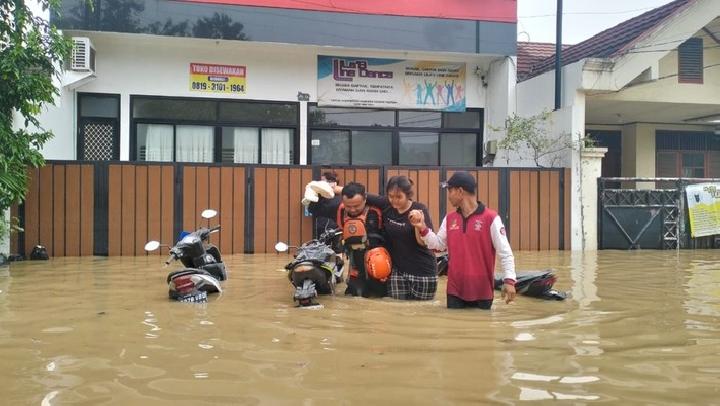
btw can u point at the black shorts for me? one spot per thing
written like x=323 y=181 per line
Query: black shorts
x=454 y=302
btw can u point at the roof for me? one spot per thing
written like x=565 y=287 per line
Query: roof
x=613 y=41
x=530 y=53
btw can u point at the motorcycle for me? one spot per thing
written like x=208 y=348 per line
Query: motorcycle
x=316 y=268
x=203 y=266
x=537 y=284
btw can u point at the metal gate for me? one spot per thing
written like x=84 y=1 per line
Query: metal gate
x=647 y=213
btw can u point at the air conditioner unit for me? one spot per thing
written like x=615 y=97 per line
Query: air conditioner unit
x=83 y=55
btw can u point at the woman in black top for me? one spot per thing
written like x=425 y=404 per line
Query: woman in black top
x=414 y=265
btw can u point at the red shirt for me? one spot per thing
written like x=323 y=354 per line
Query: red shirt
x=471 y=244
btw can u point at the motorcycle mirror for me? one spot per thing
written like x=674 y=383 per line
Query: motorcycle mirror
x=208 y=213
x=281 y=247
x=152 y=246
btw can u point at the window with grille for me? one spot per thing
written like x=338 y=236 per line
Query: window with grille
x=690 y=61
x=98 y=127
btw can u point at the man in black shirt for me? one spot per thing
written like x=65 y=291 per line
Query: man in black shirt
x=353 y=208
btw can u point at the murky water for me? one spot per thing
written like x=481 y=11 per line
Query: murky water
x=642 y=328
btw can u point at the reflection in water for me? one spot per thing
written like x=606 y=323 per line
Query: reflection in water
x=641 y=327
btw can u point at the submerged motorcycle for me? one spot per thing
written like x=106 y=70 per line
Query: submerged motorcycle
x=537 y=284
x=203 y=267
x=316 y=268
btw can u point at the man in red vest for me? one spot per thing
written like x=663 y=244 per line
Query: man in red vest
x=472 y=235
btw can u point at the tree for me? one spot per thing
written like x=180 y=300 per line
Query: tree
x=530 y=138
x=31 y=55
x=219 y=26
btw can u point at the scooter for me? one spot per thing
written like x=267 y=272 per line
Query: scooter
x=537 y=284
x=316 y=269
x=203 y=267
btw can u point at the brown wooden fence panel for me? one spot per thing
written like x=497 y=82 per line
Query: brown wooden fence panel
x=32 y=212
x=278 y=213
x=544 y=211
x=515 y=202
x=59 y=209
x=213 y=200
x=260 y=203
x=536 y=222
x=566 y=212
x=226 y=210
x=168 y=204
x=55 y=210
x=141 y=209
x=189 y=199
x=45 y=214
x=73 y=210
x=87 y=209
x=127 y=225
x=154 y=198
x=306 y=225
x=296 y=212
x=555 y=214
x=239 y=192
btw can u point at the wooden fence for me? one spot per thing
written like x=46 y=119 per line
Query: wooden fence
x=113 y=208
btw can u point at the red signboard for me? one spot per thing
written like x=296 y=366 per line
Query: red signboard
x=480 y=10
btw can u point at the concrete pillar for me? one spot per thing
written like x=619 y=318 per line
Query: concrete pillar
x=591 y=167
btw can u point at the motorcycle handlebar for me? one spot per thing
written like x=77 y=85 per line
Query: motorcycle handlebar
x=214 y=229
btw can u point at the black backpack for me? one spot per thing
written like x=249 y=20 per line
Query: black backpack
x=39 y=253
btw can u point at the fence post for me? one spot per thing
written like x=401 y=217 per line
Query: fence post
x=591 y=169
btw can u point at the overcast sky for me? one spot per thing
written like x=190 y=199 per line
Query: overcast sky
x=581 y=18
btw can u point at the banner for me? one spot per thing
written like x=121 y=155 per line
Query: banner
x=217 y=78
x=391 y=83
x=704 y=208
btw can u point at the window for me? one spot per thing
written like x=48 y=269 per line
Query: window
x=201 y=130
x=417 y=148
x=690 y=61
x=687 y=154
x=358 y=136
x=98 y=127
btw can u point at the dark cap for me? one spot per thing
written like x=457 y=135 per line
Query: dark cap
x=461 y=179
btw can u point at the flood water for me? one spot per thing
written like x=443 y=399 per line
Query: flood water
x=642 y=327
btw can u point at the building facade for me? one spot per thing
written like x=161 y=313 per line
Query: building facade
x=208 y=82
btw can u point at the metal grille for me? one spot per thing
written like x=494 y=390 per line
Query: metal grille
x=663 y=202
x=99 y=142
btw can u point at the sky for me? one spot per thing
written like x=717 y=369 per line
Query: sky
x=581 y=18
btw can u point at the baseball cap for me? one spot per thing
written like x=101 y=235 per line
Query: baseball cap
x=461 y=179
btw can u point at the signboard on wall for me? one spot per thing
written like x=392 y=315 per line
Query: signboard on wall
x=217 y=78
x=704 y=208
x=391 y=83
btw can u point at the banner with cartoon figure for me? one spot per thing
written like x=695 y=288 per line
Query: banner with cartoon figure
x=391 y=83
x=704 y=209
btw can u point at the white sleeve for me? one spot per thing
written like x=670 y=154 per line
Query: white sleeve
x=502 y=248
x=437 y=242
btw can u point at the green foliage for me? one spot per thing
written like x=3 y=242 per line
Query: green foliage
x=530 y=138
x=31 y=55
x=588 y=141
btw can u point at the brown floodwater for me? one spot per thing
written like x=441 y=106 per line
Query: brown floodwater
x=642 y=327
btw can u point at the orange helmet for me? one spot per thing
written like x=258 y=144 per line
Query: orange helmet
x=378 y=264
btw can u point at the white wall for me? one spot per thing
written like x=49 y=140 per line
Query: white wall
x=138 y=64
x=500 y=95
